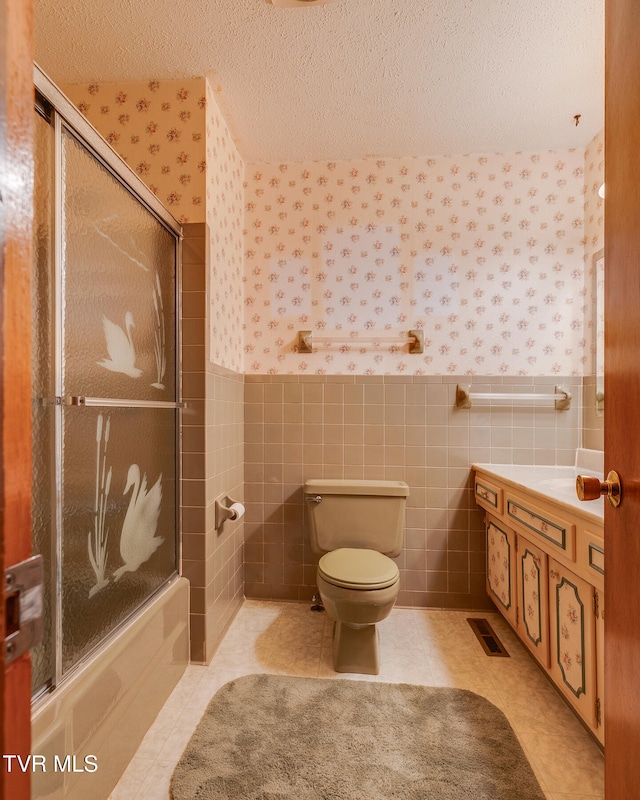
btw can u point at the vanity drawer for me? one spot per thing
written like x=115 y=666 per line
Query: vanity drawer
x=488 y=495
x=590 y=555
x=558 y=532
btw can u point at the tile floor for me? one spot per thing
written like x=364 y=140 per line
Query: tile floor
x=427 y=647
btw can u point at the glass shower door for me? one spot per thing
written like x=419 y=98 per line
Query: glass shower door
x=43 y=513
x=112 y=427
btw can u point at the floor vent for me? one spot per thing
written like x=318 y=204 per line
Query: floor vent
x=485 y=634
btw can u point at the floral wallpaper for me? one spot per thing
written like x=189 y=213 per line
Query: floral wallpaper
x=593 y=234
x=158 y=128
x=225 y=176
x=491 y=256
x=484 y=253
x=593 y=203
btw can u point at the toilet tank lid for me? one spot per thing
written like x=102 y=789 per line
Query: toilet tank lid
x=341 y=486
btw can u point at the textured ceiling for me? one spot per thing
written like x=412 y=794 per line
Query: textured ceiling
x=353 y=78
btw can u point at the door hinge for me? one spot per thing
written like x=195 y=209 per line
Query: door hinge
x=596 y=604
x=23 y=605
x=598 y=712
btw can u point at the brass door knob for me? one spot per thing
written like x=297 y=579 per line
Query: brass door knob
x=590 y=488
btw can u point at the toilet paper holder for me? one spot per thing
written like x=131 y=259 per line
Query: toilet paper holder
x=226 y=508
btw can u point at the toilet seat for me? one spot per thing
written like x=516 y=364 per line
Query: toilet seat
x=358 y=568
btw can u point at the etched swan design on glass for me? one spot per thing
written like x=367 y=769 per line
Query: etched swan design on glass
x=138 y=541
x=98 y=539
x=122 y=353
x=159 y=334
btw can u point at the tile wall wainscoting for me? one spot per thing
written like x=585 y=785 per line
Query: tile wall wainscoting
x=212 y=462
x=391 y=427
x=592 y=424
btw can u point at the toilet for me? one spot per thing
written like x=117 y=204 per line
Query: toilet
x=358 y=527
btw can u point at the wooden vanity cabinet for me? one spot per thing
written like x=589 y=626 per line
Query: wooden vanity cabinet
x=573 y=639
x=545 y=574
x=517 y=582
x=533 y=599
x=501 y=567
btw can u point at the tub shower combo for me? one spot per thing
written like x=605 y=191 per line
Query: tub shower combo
x=106 y=405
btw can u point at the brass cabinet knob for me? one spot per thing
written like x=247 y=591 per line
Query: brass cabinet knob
x=590 y=488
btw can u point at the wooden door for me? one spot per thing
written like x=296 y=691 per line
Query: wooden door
x=16 y=201
x=622 y=396
x=600 y=691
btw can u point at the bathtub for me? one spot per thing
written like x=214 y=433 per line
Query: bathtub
x=101 y=713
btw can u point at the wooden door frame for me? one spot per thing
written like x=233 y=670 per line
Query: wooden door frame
x=16 y=214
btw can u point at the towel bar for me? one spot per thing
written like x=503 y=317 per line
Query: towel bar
x=465 y=398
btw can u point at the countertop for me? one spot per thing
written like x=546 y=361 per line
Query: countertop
x=556 y=484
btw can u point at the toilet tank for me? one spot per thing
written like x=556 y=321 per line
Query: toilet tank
x=356 y=513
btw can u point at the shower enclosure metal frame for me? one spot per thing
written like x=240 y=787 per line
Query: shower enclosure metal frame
x=65 y=116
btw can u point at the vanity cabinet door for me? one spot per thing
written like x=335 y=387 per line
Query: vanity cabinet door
x=533 y=599
x=573 y=639
x=501 y=563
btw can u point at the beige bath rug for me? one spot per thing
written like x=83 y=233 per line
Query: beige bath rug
x=268 y=737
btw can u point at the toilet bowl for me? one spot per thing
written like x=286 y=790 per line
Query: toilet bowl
x=358 y=588
x=357 y=526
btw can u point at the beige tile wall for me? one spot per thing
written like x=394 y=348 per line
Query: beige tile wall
x=403 y=428
x=213 y=463
x=592 y=423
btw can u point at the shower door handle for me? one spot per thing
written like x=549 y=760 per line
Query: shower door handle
x=110 y=402
x=105 y=402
